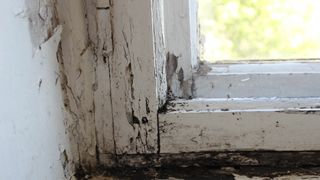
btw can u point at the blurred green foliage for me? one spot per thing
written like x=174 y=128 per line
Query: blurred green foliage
x=260 y=29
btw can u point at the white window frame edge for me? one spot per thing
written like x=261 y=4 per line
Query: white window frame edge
x=181 y=45
x=137 y=80
x=138 y=87
x=239 y=124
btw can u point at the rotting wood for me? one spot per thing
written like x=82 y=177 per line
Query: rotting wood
x=109 y=56
x=136 y=62
x=219 y=159
x=76 y=72
x=100 y=33
x=181 y=45
x=106 y=57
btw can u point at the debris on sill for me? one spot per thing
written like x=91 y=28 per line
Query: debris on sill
x=225 y=173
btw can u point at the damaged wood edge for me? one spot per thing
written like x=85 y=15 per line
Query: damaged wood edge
x=180 y=18
x=75 y=116
x=72 y=160
x=66 y=101
x=179 y=86
x=171 y=65
x=111 y=4
x=104 y=52
x=281 y=105
x=93 y=46
x=281 y=159
x=135 y=105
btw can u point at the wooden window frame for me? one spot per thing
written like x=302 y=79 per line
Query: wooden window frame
x=146 y=107
x=200 y=119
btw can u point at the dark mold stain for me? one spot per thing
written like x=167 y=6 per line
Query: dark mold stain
x=81 y=173
x=301 y=111
x=144 y=120
x=147 y=106
x=181 y=76
x=132 y=119
x=103 y=8
x=97 y=154
x=164 y=108
x=171 y=66
x=131 y=77
x=139 y=135
x=104 y=59
x=208 y=165
x=193 y=87
x=135 y=120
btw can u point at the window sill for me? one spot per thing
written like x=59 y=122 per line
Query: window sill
x=240 y=124
x=199 y=105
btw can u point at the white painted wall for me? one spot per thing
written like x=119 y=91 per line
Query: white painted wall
x=32 y=132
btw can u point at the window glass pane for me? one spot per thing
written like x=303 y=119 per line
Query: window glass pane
x=259 y=29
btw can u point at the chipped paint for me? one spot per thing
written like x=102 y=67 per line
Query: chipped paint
x=116 y=83
x=181 y=46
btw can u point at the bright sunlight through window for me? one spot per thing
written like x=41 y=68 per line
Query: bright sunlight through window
x=259 y=29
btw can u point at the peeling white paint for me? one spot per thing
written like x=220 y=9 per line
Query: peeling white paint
x=133 y=69
x=181 y=43
x=240 y=125
x=93 y=77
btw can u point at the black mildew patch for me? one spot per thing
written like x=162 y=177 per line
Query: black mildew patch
x=171 y=65
x=144 y=120
x=147 y=106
